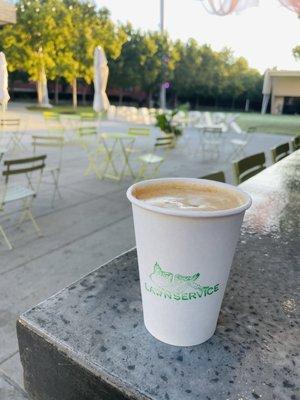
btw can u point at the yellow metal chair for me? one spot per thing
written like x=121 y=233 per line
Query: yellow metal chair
x=248 y=167
x=88 y=141
x=88 y=119
x=279 y=152
x=153 y=161
x=51 y=116
x=53 y=123
x=136 y=132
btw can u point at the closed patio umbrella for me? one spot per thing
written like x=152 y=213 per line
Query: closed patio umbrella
x=101 y=102
x=4 y=96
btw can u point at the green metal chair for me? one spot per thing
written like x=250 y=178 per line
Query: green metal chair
x=296 y=143
x=215 y=176
x=21 y=193
x=136 y=131
x=248 y=167
x=279 y=152
x=54 y=170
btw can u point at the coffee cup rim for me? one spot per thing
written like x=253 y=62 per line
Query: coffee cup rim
x=188 y=213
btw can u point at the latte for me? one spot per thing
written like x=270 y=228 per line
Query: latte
x=188 y=196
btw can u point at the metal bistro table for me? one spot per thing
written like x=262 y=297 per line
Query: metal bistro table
x=89 y=342
x=117 y=147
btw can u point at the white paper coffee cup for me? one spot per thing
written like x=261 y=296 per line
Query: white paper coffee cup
x=184 y=262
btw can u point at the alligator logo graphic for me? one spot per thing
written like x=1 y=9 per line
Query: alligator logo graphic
x=178 y=283
x=177 y=287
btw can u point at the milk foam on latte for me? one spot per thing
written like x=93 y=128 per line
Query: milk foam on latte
x=188 y=196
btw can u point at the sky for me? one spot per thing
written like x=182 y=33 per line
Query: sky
x=264 y=35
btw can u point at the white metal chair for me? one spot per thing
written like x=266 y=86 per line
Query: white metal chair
x=240 y=142
x=54 y=142
x=212 y=140
x=111 y=112
x=21 y=193
x=232 y=124
x=151 y=163
x=194 y=118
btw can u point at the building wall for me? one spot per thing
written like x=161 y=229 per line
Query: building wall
x=7 y=13
x=283 y=86
x=288 y=86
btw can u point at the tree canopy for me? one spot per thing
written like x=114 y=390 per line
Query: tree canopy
x=59 y=37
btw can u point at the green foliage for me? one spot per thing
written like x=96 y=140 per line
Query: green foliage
x=60 y=36
x=165 y=121
x=296 y=52
x=202 y=71
x=147 y=59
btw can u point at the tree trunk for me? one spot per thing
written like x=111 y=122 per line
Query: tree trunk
x=232 y=103
x=175 y=101
x=247 y=105
x=56 y=87
x=120 y=97
x=84 y=95
x=150 y=99
x=74 y=92
x=39 y=92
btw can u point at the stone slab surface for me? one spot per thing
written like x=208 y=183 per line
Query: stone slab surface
x=94 y=343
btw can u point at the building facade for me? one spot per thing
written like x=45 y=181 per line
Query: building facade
x=280 y=86
x=7 y=13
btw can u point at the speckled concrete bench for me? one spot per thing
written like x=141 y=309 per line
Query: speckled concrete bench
x=89 y=342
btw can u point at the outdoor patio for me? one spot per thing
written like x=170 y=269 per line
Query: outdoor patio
x=90 y=225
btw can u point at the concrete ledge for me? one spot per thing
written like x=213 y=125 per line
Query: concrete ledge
x=89 y=342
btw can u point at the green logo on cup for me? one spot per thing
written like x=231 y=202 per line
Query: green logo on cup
x=177 y=287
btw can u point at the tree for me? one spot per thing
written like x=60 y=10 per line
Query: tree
x=187 y=69
x=158 y=59
x=29 y=44
x=93 y=28
x=146 y=60
x=59 y=37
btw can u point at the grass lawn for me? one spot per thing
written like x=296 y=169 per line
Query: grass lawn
x=276 y=124
x=62 y=109
x=280 y=124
